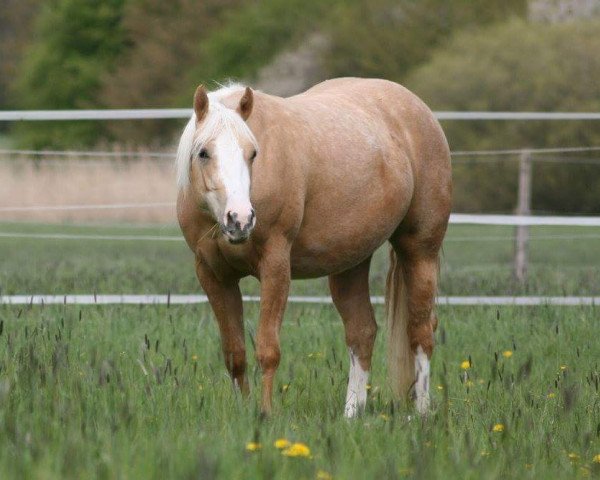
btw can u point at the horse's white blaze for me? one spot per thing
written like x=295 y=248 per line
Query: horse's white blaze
x=422 y=381
x=235 y=177
x=356 y=396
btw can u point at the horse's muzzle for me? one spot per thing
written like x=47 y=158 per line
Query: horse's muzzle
x=236 y=230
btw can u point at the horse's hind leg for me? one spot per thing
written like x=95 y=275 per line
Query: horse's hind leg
x=418 y=260
x=350 y=293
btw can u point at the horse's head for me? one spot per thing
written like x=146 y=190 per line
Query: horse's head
x=215 y=157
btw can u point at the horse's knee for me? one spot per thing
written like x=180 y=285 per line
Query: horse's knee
x=235 y=360
x=268 y=357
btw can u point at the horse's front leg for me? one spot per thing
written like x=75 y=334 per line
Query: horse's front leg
x=226 y=301
x=274 y=272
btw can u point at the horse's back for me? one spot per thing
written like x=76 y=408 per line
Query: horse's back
x=366 y=143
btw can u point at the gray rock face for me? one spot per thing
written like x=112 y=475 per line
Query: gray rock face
x=557 y=11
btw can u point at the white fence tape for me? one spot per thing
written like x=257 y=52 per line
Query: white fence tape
x=109 y=206
x=523 y=220
x=171 y=155
x=164 y=238
x=199 y=299
x=75 y=236
x=168 y=113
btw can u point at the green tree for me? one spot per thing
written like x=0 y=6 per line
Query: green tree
x=16 y=22
x=76 y=42
x=386 y=38
x=519 y=66
x=163 y=41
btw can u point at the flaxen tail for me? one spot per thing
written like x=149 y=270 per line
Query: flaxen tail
x=401 y=367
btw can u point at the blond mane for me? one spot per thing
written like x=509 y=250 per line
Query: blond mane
x=219 y=119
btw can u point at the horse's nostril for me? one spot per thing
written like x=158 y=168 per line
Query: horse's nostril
x=231 y=218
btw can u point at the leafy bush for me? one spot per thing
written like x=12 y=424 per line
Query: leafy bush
x=519 y=66
x=386 y=38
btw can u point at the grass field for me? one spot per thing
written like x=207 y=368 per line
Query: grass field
x=141 y=392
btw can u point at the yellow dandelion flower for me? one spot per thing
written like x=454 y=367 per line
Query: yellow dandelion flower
x=485 y=453
x=563 y=367
x=282 y=443
x=194 y=357
x=498 y=427
x=323 y=475
x=285 y=387
x=596 y=458
x=297 y=450
x=253 y=446
x=551 y=395
x=368 y=387
x=573 y=456
x=465 y=365
x=440 y=387
x=507 y=354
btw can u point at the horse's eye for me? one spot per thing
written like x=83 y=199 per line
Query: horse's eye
x=253 y=156
x=204 y=154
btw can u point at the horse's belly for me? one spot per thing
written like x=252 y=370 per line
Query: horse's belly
x=318 y=260
x=320 y=252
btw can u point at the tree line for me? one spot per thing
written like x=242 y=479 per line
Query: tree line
x=476 y=55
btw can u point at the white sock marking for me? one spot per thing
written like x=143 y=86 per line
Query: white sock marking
x=356 y=397
x=422 y=381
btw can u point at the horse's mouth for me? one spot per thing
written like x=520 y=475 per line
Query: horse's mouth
x=237 y=241
x=235 y=236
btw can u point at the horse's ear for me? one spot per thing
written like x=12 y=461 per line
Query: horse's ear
x=246 y=103
x=200 y=103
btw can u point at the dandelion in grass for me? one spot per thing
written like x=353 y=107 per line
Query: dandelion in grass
x=285 y=387
x=465 y=364
x=440 y=387
x=573 y=456
x=323 y=475
x=498 y=427
x=282 y=443
x=563 y=367
x=507 y=353
x=551 y=395
x=297 y=450
x=596 y=458
x=253 y=446
x=368 y=387
x=194 y=357
x=485 y=453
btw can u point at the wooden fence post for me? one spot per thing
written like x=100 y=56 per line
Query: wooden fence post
x=523 y=208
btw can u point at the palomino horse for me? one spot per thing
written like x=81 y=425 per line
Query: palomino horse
x=312 y=185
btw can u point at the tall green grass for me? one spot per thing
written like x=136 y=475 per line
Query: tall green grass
x=141 y=392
